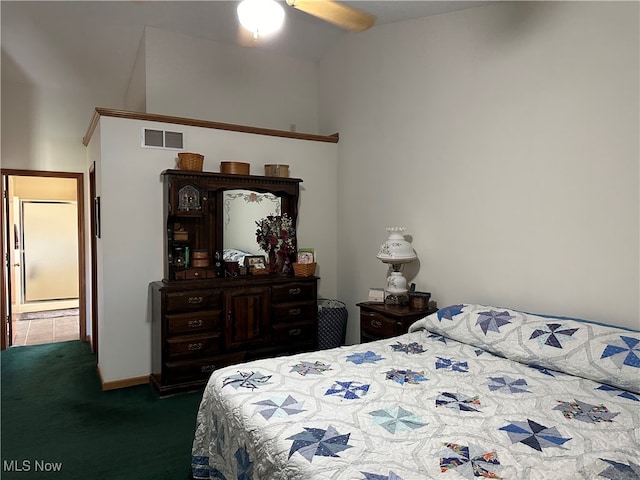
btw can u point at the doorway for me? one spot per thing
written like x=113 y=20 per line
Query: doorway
x=42 y=242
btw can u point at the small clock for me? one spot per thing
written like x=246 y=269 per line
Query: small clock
x=189 y=199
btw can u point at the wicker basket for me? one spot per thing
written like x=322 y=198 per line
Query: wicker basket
x=304 y=269
x=190 y=161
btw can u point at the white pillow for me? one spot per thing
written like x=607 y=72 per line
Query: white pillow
x=603 y=353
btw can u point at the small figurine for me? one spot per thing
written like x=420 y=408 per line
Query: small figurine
x=218 y=265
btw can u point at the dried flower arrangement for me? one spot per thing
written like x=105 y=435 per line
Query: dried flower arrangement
x=277 y=237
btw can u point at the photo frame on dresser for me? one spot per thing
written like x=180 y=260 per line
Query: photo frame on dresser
x=255 y=261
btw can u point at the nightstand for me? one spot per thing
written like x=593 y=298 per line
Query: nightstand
x=378 y=321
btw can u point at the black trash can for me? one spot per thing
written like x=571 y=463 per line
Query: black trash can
x=332 y=323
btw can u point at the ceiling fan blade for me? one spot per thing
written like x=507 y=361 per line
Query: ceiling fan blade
x=336 y=13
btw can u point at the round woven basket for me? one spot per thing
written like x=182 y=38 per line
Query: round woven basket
x=190 y=161
x=276 y=170
x=235 y=168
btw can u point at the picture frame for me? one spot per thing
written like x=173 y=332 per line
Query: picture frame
x=376 y=295
x=96 y=216
x=306 y=255
x=256 y=261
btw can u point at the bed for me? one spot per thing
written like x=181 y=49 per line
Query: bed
x=471 y=391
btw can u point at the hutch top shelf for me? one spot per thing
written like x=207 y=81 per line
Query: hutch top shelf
x=208 y=214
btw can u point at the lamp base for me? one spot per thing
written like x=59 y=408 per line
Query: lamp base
x=392 y=299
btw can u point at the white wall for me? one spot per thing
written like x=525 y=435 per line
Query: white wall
x=505 y=139
x=130 y=253
x=197 y=78
x=42 y=128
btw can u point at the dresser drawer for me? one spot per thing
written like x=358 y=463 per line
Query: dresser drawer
x=194 y=322
x=193 y=345
x=377 y=325
x=198 y=369
x=293 y=292
x=292 y=312
x=192 y=300
x=195 y=273
x=294 y=333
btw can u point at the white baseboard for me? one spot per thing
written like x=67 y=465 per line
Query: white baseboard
x=122 y=383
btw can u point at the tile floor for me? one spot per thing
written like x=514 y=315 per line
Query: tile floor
x=45 y=330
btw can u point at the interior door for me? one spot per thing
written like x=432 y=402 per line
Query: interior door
x=50 y=250
x=38 y=188
x=5 y=310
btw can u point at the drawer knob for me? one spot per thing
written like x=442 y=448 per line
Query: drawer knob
x=195 y=300
x=207 y=368
x=194 y=347
x=294 y=291
x=376 y=323
x=294 y=332
x=295 y=311
x=194 y=323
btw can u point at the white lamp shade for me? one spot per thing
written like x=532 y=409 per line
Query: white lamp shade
x=260 y=17
x=396 y=249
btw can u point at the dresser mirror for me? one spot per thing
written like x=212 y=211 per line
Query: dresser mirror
x=241 y=210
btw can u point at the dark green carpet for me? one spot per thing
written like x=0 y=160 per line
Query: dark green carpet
x=54 y=412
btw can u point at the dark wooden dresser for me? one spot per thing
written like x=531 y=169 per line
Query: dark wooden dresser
x=198 y=328
x=206 y=316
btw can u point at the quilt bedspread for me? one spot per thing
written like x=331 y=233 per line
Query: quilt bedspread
x=422 y=406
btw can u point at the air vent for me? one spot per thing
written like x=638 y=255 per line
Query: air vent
x=162 y=139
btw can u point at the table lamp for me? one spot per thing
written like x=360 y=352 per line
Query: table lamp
x=396 y=252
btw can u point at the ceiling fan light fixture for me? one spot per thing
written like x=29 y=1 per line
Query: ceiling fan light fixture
x=260 y=17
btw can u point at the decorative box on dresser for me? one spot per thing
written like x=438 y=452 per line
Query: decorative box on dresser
x=205 y=318
x=378 y=321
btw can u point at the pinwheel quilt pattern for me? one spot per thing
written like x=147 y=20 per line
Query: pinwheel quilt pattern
x=471 y=392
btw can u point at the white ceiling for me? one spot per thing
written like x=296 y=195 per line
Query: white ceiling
x=93 y=44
